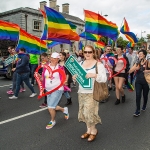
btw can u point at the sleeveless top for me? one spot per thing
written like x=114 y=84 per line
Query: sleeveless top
x=140 y=74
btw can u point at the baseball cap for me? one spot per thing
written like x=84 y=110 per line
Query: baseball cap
x=55 y=55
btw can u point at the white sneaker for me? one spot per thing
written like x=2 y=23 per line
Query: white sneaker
x=33 y=94
x=50 y=124
x=13 y=97
x=66 y=113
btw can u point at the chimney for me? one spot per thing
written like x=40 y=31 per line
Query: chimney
x=57 y=8
x=52 y=4
x=42 y=4
x=65 y=8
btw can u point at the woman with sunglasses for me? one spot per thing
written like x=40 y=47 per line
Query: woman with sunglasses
x=88 y=108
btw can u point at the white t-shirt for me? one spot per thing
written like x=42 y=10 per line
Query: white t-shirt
x=55 y=81
x=101 y=77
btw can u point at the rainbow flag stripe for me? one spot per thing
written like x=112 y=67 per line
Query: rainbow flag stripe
x=32 y=44
x=97 y=24
x=126 y=31
x=91 y=37
x=44 y=34
x=130 y=45
x=9 y=31
x=73 y=27
x=51 y=44
x=81 y=46
x=99 y=44
x=58 y=27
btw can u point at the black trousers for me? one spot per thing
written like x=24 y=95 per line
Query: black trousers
x=141 y=87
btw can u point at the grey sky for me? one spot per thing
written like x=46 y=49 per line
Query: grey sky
x=136 y=12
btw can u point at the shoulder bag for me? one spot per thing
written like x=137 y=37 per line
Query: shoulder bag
x=100 y=90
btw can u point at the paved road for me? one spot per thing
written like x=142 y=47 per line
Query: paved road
x=119 y=131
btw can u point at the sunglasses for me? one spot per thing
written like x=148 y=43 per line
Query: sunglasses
x=88 y=52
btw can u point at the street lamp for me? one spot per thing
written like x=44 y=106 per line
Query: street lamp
x=142 y=32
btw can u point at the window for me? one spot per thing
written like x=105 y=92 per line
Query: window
x=37 y=25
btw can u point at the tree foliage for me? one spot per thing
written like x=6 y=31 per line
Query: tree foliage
x=122 y=42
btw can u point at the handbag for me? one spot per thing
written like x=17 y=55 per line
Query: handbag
x=100 y=90
x=147 y=75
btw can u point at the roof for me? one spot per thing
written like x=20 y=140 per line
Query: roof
x=71 y=18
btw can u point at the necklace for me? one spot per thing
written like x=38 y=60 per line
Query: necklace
x=51 y=79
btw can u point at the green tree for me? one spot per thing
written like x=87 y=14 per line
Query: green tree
x=148 y=36
x=140 y=42
x=122 y=42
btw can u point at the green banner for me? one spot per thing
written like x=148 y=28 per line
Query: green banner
x=10 y=59
x=76 y=69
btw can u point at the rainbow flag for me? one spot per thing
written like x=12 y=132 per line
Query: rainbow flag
x=126 y=31
x=99 y=44
x=97 y=24
x=32 y=44
x=44 y=34
x=130 y=87
x=9 y=31
x=58 y=27
x=81 y=46
x=51 y=44
x=45 y=31
x=90 y=36
x=130 y=45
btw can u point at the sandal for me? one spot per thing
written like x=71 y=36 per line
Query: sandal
x=92 y=137
x=85 y=135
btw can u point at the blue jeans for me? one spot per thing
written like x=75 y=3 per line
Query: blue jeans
x=20 y=78
x=33 y=68
x=139 y=89
x=14 y=82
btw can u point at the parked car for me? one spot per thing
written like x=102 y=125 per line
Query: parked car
x=5 y=71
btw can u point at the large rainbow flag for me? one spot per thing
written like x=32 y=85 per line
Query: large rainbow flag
x=32 y=44
x=58 y=27
x=126 y=31
x=90 y=36
x=9 y=31
x=97 y=24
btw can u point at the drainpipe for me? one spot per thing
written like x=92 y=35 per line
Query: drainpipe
x=26 y=21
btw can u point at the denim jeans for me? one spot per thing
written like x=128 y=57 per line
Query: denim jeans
x=67 y=95
x=33 y=68
x=14 y=82
x=139 y=88
x=20 y=78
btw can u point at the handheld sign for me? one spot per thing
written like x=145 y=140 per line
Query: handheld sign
x=76 y=69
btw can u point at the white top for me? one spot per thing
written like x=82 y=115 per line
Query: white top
x=119 y=65
x=101 y=77
x=132 y=58
x=108 y=62
x=51 y=83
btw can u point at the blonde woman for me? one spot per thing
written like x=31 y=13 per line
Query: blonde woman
x=88 y=108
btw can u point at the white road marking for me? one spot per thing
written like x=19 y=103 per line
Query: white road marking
x=22 y=116
x=5 y=85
